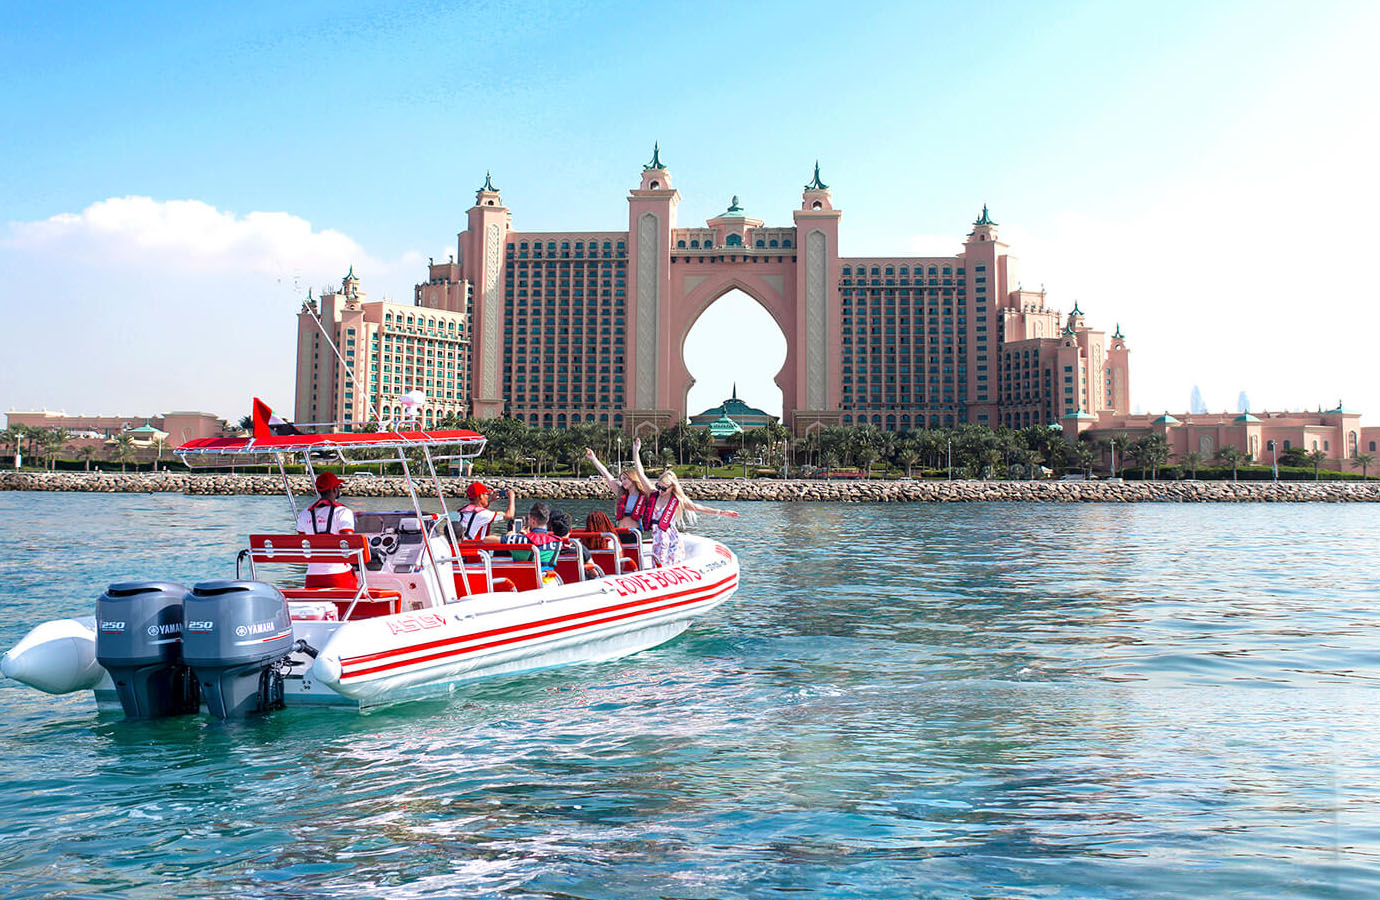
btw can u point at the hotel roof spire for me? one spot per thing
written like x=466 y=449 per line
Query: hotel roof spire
x=656 y=158
x=985 y=219
x=816 y=184
x=488 y=183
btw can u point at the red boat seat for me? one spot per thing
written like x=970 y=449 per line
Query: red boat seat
x=609 y=556
x=631 y=540
x=372 y=603
x=300 y=549
x=523 y=575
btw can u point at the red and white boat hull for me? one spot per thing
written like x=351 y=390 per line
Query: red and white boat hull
x=424 y=652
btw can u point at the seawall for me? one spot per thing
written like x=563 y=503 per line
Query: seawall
x=766 y=489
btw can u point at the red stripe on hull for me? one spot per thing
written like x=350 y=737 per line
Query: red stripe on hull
x=712 y=592
x=478 y=635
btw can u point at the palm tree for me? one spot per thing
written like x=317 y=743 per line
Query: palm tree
x=1362 y=461
x=124 y=449
x=702 y=451
x=86 y=452
x=1317 y=458
x=1086 y=455
x=908 y=456
x=988 y=459
x=867 y=454
x=1193 y=459
x=1230 y=456
x=1153 y=451
x=12 y=437
x=52 y=441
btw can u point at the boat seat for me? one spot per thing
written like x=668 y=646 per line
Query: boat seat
x=569 y=565
x=477 y=570
x=371 y=602
x=631 y=540
x=523 y=574
x=300 y=549
x=609 y=558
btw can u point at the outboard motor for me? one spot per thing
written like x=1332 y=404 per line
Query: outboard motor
x=139 y=642
x=236 y=635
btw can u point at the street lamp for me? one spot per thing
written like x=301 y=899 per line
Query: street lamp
x=619 y=467
x=1274 y=460
x=950 y=443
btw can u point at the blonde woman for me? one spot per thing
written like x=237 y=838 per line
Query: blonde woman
x=633 y=490
x=664 y=514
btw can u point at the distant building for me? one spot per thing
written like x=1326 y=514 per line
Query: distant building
x=735 y=410
x=1336 y=432
x=388 y=349
x=177 y=427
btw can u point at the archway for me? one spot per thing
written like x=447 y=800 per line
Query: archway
x=734 y=342
x=764 y=296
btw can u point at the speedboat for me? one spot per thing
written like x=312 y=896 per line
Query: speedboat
x=429 y=612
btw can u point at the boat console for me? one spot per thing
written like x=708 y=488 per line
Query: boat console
x=397 y=540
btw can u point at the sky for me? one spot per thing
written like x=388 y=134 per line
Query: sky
x=174 y=177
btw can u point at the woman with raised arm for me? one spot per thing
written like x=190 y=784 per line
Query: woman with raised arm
x=632 y=489
x=666 y=512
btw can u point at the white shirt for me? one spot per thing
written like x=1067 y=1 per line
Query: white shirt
x=475 y=522
x=341 y=519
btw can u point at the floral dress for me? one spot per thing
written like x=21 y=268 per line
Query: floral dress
x=667 y=549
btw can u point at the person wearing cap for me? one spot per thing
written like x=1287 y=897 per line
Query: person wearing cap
x=476 y=518
x=327 y=516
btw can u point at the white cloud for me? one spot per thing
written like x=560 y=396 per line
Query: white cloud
x=137 y=306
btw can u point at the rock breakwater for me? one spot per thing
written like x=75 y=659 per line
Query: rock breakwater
x=905 y=491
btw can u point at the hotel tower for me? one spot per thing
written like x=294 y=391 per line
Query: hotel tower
x=556 y=328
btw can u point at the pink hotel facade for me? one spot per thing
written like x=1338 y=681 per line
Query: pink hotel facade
x=556 y=328
x=590 y=326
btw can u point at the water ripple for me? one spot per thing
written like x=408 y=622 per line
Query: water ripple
x=1003 y=700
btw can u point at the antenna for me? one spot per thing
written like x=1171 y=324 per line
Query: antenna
x=306 y=308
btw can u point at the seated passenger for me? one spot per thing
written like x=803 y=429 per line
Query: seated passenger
x=547 y=545
x=326 y=516
x=560 y=527
x=599 y=523
x=475 y=519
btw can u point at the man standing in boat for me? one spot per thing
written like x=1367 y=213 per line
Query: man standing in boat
x=327 y=516
x=476 y=518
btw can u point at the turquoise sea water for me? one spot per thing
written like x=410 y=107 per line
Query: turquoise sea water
x=1000 y=701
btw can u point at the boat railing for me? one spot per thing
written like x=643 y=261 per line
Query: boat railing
x=305 y=549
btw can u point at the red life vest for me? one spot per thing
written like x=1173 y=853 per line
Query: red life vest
x=667 y=518
x=330 y=516
x=467 y=523
x=634 y=510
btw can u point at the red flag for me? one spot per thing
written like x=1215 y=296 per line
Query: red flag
x=266 y=423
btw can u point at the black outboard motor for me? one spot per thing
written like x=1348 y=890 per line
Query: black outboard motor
x=235 y=637
x=139 y=642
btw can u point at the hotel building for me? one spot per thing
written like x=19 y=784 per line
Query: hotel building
x=388 y=349
x=588 y=326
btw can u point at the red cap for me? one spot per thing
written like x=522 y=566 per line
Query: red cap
x=476 y=490
x=327 y=481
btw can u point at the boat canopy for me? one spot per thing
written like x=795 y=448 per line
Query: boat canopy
x=299 y=443
x=204 y=451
